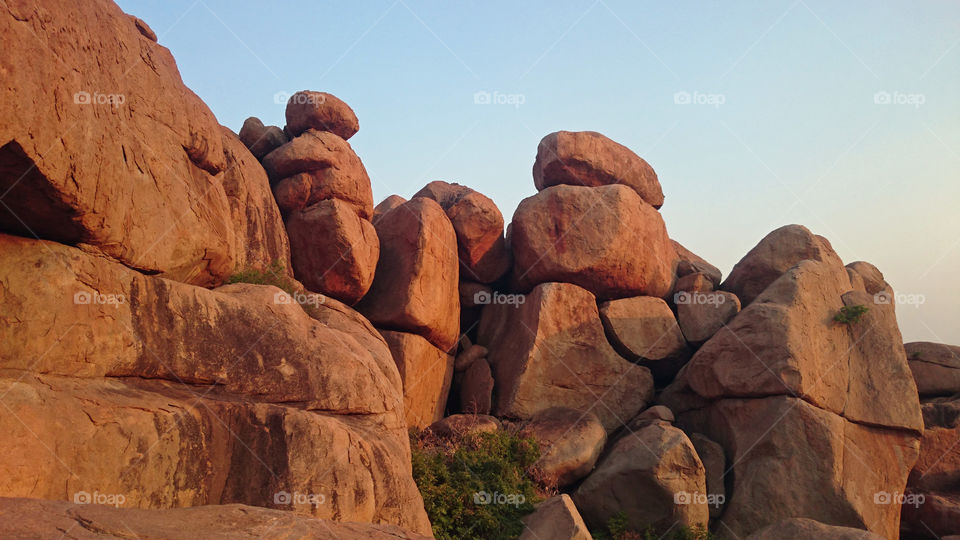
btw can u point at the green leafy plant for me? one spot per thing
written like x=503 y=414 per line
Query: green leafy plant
x=618 y=528
x=850 y=314
x=476 y=486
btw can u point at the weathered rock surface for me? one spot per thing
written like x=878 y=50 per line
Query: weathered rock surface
x=415 y=286
x=587 y=158
x=116 y=375
x=873 y=280
x=808 y=529
x=334 y=252
x=261 y=139
x=934 y=482
x=386 y=205
x=935 y=367
x=476 y=388
x=315 y=150
x=469 y=355
x=557 y=519
x=570 y=443
x=775 y=254
x=695 y=282
x=644 y=330
x=103 y=145
x=715 y=464
x=691 y=263
x=653 y=475
x=702 y=314
x=426 y=373
x=551 y=352
x=604 y=239
x=320 y=111
x=35 y=518
x=479 y=227
x=653 y=415
x=304 y=189
x=465 y=424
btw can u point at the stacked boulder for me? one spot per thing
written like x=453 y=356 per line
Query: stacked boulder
x=323 y=192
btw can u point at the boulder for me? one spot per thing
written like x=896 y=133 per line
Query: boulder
x=644 y=330
x=808 y=529
x=775 y=254
x=652 y=475
x=932 y=500
x=695 y=282
x=103 y=145
x=587 y=158
x=604 y=239
x=320 y=111
x=653 y=415
x=557 y=519
x=873 y=280
x=473 y=296
x=570 y=443
x=468 y=356
x=701 y=315
x=415 y=286
x=715 y=464
x=479 y=227
x=691 y=263
x=935 y=367
x=312 y=151
x=551 y=352
x=385 y=206
x=458 y=425
x=333 y=251
x=304 y=189
x=36 y=518
x=113 y=369
x=476 y=388
x=935 y=513
x=261 y=139
x=426 y=373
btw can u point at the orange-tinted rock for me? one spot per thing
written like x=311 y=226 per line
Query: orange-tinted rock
x=458 y=425
x=334 y=252
x=386 y=205
x=935 y=367
x=808 y=529
x=570 y=443
x=426 y=373
x=702 y=314
x=691 y=263
x=715 y=466
x=873 y=280
x=476 y=388
x=555 y=518
x=551 y=351
x=311 y=151
x=604 y=239
x=415 y=287
x=644 y=330
x=102 y=144
x=261 y=139
x=695 y=282
x=307 y=188
x=320 y=111
x=587 y=158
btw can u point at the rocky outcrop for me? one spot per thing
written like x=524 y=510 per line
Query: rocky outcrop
x=873 y=281
x=34 y=518
x=570 y=443
x=931 y=502
x=715 y=468
x=604 y=239
x=320 y=111
x=476 y=388
x=174 y=395
x=935 y=367
x=702 y=314
x=459 y=425
x=426 y=373
x=691 y=263
x=644 y=330
x=386 y=205
x=415 y=287
x=103 y=145
x=653 y=475
x=587 y=158
x=551 y=351
x=555 y=518
x=808 y=529
x=261 y=139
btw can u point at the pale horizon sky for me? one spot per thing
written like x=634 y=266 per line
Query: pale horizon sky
x=841 y=116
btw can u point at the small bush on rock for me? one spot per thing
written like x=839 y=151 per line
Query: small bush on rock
x=850 y=314
x=476 y=486
x=618 y=528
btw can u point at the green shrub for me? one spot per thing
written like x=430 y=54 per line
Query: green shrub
x=275 y=274
x=458 y=477
x=618 y=528
x=850 y=314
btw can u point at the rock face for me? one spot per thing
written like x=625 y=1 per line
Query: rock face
x=587 y=158
x=555 y=518
x=464 y=424
x=133 y=404
x=715 y=464
x=570 y=443
x=415 y=287
x=873 y=280
x=476 y=389
x=334 y=252
x=935 y=367
x=643 y=330
x=932 y=500
x=691 y=263
x=426 y=373
x=320 y=111
x=701 y=315
x=103 y=145
x=808 y=529
x=653 y=475
x=261 y=139
x=551 y=352
x=783 y=366
x=386 y=205
x=604 y=239
x=774 y=255
x=35 y=518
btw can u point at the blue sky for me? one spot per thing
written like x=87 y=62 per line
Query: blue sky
x=841 y=116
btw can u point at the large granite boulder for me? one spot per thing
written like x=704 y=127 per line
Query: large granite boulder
x=426 y=372
x=808 y=529
x=557 y=519
x=935 y=367
x=570 y=443
x=644 y=330
x=320 y=111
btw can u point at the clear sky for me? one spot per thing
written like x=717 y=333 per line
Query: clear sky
x=841 y=116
